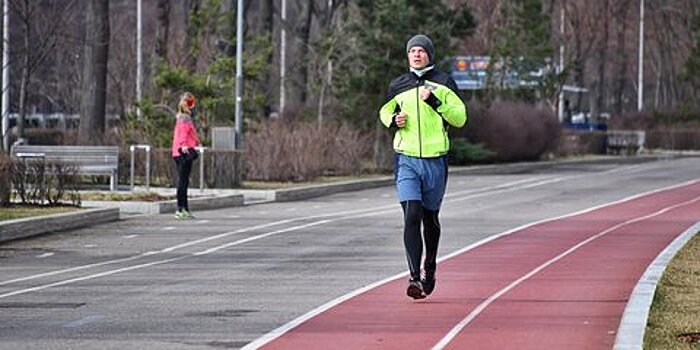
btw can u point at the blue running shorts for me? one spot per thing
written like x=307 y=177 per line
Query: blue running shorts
x=421 y=179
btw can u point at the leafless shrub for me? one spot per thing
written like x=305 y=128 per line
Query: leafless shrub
x=632 y=121
x=62 y=184
x=285 y=150
x=5 y=180
x=577 y=143
x=347 y=149
x=38 y=182
x=515 y=131
x=673 y=138
x=219 y=168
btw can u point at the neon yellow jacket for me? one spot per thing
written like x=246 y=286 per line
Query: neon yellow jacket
x=425 y=133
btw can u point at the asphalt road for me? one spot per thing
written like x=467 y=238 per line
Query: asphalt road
x=233 y=275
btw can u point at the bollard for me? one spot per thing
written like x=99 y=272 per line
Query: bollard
x=147 y=148
x=201 y=151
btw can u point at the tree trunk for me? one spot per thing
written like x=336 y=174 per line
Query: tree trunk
x=191 y=36
x=23 y=86
x=304 y=62
x=163 y=30
x=94 y=79
x=24 y=82
x=619 y=93
x=599 y=104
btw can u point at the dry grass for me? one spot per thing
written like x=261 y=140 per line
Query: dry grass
x=676 y=307
x=18 y=211
x=131 y=196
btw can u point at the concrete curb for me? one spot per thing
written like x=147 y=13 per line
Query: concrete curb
x=630 y=334
x=152 y=208
x=29 y=227
x=306 y=192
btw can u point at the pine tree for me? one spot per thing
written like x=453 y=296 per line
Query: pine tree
x=522 y=44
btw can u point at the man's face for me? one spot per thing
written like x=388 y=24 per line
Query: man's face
x=418 y=57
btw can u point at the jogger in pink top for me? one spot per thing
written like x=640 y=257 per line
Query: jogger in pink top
x=183 y=151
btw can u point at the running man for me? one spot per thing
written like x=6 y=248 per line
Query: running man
x=421 y=105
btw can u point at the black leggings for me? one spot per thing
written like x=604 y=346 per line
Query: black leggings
x=414 y=215
x=184 y=168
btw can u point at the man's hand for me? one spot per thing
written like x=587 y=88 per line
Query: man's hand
x=400 y=119
x=425 y=94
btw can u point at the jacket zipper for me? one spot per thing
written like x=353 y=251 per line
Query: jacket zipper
x=420 y=138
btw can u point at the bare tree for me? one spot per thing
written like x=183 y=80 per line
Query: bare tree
x=41 y=31
x=670 y=42
x=584 y=25
x=192 y=37
x=163 y=30
x=94 y=78
x=602 y=58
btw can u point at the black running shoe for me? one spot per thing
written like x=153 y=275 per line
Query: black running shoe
x=428 y=282
x=415 y=290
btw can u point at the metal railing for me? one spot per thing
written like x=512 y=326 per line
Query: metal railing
x=146 y=148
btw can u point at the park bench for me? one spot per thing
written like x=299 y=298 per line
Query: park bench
x=625 y=141
x=90 y=160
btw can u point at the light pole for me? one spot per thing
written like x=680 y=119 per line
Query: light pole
x=139 y=64
x=560 y=69
x=239 y=75
x=6 y=76
x=640 y=90
x=283 y=54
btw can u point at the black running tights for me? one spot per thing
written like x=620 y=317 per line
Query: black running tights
x=184 y=168
x=414 y=215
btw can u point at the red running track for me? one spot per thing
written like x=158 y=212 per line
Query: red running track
x=558 y=284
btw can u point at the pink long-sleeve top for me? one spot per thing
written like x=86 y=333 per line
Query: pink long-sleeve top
x=184 y=135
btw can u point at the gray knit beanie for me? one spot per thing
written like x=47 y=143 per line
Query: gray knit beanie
x=424 y=42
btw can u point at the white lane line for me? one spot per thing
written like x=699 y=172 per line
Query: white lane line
x=225 y=234
x=130 y=236
x=276 y=333
x=168 y=228
x=255 y=238
x=83 y=321
x=90 y=245
x=481 y=307
x=88 y=277
x=72 y=269
x=202 y=221
x=45 y=255
x=157 y=262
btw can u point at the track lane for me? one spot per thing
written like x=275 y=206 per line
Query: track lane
x=495 y=285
